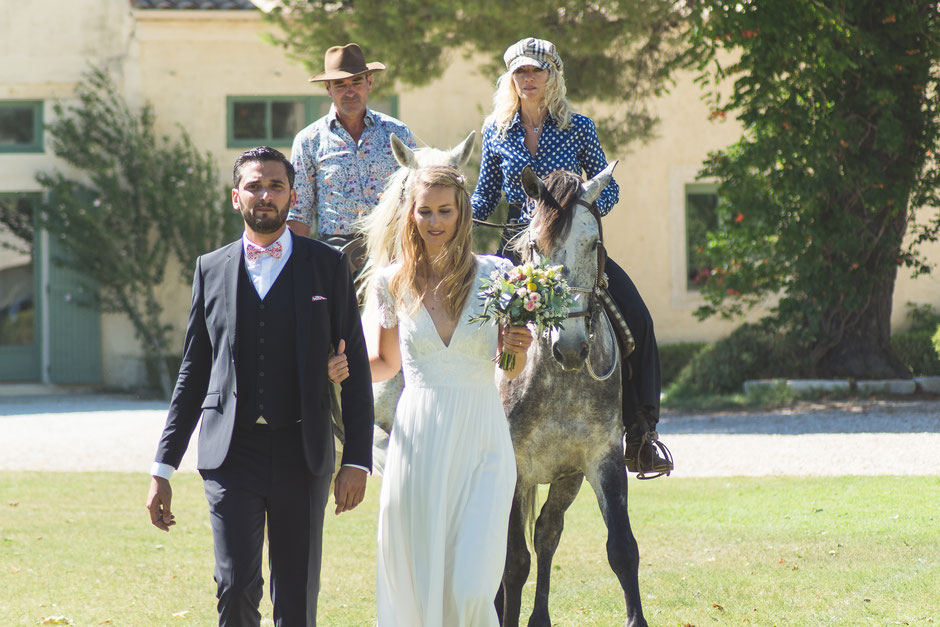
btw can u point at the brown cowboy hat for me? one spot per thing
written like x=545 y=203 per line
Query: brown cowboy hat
x=345 y=61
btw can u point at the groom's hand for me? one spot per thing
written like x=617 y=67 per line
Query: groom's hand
x=158 y=503
x=350 y=488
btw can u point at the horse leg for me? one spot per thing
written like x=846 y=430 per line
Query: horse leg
x=609 y=480
x=518 y=561
x=548 y=530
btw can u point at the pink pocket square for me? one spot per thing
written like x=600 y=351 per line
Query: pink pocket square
x=317 y=297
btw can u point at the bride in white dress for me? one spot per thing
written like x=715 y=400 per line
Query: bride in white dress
x=450 y=474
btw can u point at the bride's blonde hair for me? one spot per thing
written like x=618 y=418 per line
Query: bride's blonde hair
x=455 y=263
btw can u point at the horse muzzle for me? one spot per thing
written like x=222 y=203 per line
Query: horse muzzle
x=570 y=355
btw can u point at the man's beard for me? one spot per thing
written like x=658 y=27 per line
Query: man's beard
x=263 y=222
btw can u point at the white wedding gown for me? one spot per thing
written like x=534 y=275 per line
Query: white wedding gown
x=450 y=475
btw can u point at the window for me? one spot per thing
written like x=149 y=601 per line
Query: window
x=21 y=126
x=701 y=216
x=275 y=120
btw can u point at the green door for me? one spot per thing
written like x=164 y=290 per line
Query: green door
x=74 y=331
x=50 y=321
x=20 y=302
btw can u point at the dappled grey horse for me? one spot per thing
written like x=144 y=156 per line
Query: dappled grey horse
x=564 y=409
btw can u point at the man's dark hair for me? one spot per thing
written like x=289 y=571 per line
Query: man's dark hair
x=262 y=153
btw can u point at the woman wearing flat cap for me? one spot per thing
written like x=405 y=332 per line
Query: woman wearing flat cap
x=532 y=124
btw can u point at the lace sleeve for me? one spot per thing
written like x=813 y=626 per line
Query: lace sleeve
x=385 y=303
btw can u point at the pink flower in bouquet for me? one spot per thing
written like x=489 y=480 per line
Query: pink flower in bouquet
x=530 y=305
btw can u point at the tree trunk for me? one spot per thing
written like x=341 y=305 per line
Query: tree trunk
x=858 y=344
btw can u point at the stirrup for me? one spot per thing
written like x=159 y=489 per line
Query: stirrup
x=657 y=452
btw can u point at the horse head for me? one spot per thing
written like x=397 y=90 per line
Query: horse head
x=566 y=230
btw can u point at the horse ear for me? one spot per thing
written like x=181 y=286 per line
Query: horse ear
x=404 y=155
x=460 y=154
x=593 y=188
x=532 y=185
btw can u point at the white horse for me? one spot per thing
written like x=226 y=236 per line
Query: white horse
x=380 y=229
x=564 y=408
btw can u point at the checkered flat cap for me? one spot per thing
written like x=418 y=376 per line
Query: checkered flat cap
x=531 y=51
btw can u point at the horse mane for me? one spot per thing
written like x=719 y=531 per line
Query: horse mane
x=553 y=213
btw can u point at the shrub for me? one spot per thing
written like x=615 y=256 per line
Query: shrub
x=674 y=357
x=918 y=350
x=752 y=351
x=936 y=341
x=918 y=346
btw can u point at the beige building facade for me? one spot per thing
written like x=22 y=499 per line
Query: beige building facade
x=206 y=68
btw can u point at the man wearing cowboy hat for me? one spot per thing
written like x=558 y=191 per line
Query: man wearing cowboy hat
x=343 y=159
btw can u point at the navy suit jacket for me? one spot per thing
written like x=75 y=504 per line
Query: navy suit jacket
x=326 y=312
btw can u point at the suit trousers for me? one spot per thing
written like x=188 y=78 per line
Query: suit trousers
x=264 y=478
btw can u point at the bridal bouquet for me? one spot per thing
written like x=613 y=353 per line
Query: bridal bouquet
x=525 y=294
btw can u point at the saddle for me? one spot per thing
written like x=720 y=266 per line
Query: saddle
x=624 y=335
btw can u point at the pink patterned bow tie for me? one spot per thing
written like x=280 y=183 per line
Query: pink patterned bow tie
x=257 y=252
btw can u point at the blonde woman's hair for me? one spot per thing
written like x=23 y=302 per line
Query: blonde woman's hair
x=455 y=263
x=506 y=102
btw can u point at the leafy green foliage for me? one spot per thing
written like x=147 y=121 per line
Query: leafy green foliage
x=613 y=52
x=838 y=157
x=916 y=349
x=138 y=199
x=16 y=214
x=936 y=341
x=915 y=346
x=752 y=351
x=674 y=357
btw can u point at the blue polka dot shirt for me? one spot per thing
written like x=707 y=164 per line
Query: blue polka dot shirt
x=575 y=148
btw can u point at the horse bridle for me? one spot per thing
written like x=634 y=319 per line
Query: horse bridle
x=593 y=304
x=595 y=294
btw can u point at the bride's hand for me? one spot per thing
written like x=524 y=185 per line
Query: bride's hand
x=517 y=339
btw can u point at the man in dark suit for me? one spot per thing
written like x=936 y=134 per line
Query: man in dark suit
x=267 y=311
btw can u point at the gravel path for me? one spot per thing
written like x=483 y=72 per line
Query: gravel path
x=894 y=437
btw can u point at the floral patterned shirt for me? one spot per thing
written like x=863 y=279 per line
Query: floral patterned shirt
x=337 y=179
x=575 y=148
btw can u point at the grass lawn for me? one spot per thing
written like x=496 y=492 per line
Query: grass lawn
x=717 y=551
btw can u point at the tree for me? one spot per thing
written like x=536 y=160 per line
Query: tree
x=613 y=51
x=838 y=161
x=138 y=198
